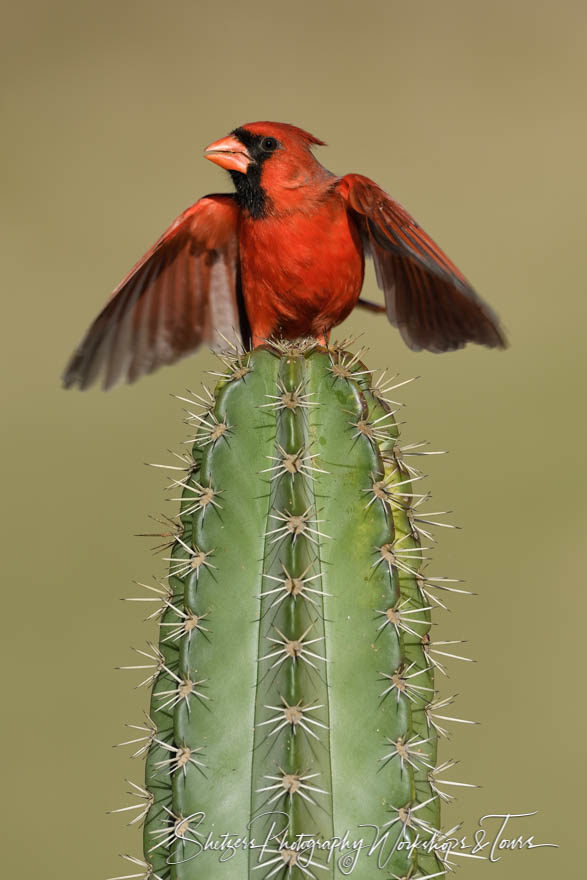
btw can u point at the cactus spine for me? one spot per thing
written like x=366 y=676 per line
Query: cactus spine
x=293 y=685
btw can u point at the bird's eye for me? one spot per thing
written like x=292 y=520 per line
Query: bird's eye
x=269 y=144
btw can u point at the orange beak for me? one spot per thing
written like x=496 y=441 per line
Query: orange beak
x=229 y=153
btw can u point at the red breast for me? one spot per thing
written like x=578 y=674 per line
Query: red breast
x=301 y=270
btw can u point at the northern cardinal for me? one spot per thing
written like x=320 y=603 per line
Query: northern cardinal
x=283 y=256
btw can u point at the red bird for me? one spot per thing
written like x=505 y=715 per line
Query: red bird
x=283 y=256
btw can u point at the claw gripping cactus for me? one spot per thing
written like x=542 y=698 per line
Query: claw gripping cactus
x=293 y=691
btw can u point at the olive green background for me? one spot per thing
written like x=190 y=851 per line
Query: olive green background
x=470 y=113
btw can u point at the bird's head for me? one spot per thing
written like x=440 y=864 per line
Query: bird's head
x=271 y=164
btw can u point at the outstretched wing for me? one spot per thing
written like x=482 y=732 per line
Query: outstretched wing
x=426 y=296
x=185 y=291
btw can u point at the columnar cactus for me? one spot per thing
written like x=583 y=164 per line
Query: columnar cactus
x=293 y=689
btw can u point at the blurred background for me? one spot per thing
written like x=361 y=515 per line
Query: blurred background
x=473 y=116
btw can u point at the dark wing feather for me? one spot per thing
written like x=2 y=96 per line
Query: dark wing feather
x=426 y=296
x=184 y=292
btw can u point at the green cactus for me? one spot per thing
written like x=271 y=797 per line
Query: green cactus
x=293 y=686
